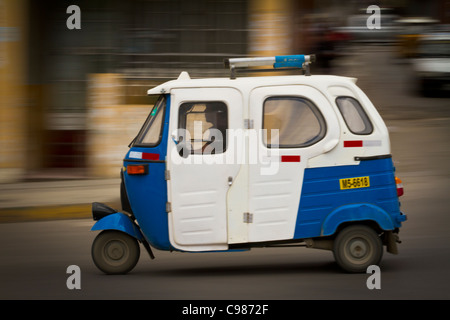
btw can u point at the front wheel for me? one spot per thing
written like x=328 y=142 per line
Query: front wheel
x=115 y=252
x=357 y=247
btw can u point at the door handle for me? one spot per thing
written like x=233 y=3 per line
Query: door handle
x=230 y=181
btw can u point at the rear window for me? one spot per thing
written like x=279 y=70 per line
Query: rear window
x=354 y=115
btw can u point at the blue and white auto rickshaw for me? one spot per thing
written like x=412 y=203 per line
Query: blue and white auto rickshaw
x=236 y=163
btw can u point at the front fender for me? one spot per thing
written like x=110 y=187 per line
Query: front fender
x=118 y=221
x=356 y=212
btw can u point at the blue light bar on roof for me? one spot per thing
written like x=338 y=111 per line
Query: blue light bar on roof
x=292 y=61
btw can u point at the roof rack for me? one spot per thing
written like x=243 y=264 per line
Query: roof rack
x=279 y=63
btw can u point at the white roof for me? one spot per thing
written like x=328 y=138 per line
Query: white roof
x=247 y=83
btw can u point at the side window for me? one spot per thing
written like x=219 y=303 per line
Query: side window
x=292 y=122
x=203 y=127
x=354 y=115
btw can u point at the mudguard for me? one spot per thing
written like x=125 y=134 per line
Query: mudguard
x=356 y=212
x=118 y=221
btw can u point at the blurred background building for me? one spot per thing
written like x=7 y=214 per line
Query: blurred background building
x=71 y=100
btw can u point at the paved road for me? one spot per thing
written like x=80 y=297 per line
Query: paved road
x=35 y=255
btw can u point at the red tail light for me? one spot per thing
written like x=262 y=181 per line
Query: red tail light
x=399 y=184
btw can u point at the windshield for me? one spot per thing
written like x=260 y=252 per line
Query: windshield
x=151 y=132
x=435 y=48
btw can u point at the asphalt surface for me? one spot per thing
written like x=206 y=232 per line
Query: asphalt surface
x=37 y=254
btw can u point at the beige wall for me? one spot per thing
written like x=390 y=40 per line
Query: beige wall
x=13 y=94
x=270 y=23
x=111 y=124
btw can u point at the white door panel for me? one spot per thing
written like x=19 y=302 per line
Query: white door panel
x=274 y=196
x=198 y=184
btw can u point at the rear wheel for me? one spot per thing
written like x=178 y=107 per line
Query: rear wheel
x=115 y=252
x=357 y=247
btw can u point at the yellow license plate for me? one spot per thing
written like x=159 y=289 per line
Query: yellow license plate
x=353 y=183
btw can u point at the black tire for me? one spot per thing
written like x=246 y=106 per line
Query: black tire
x=357 y=247
x=115 y=252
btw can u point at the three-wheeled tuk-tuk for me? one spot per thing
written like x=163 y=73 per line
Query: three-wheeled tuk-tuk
x=234 y=163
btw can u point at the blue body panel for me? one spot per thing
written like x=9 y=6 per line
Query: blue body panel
x=323 y=205
x=148 y=193
x=356 y=212
x=118 y=221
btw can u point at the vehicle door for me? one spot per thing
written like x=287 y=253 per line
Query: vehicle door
x=200 y=174
x=293 y=124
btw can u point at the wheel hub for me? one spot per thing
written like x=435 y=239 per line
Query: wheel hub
x=115 y=250
x=358 y=248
